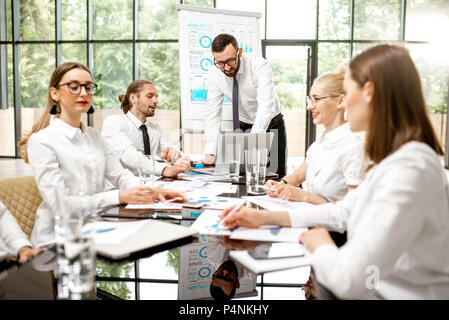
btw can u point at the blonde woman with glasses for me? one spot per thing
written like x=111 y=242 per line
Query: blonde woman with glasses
x=334 y=162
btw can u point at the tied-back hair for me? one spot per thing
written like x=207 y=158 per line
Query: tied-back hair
x=332 y=82
x=398 y=110
x=44 y=120
x=134 y=87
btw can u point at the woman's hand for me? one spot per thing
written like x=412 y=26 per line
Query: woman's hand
x=245 y=217
x=315 y=238
x=27 y=252
x=137 y=195
x=271 y=188
x=291 y=193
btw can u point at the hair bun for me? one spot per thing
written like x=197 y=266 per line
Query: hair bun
x=342 y=67
x=121 y=97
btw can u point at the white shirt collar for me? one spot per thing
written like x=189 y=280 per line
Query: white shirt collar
x=136 y=121
x=65 y=128
x=241 y=70
x=336 y=134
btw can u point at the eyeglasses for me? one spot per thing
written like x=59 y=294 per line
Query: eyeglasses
x=314 y=100
x=230 y=62
x=75 y=87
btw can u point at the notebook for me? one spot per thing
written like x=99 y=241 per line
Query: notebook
x=152 y=234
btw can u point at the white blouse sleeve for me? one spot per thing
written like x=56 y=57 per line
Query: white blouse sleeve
x=49 y=178
x=353 y=163
x=388 y=225
x=12 y=238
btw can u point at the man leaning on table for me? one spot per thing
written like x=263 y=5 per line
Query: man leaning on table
x=133 y=136
x=247 y=81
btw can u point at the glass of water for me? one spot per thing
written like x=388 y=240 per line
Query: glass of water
x=147 y=170
x=233 y=155
x=76 y=254
x=250 y=170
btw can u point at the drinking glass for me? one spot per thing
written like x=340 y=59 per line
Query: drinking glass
x=147 y=170
x=233 y=157
x=250 y=169
x=76 y=254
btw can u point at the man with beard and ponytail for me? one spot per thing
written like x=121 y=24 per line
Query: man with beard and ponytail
x=133 y=136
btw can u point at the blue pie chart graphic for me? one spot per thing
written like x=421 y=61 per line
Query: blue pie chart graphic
x=205 y=41
x=204 y=272
x=205 y=64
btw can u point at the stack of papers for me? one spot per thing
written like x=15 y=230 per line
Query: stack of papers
x=276 y=204
x=209 y=223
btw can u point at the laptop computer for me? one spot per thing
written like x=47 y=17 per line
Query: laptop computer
x=230 y=144
x=153 y=236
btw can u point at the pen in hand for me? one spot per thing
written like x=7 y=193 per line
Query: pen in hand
x=236 y=208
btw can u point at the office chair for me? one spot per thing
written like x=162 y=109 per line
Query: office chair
x=22 y=198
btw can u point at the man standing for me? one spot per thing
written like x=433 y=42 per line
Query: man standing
x=132 y=136
x=247 y=81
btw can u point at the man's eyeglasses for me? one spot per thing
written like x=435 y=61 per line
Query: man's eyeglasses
x=314 y=100
x=230 y=62
x=75 y=87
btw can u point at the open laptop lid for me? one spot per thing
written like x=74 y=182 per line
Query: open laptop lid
x=231 y=144
x=153 y=234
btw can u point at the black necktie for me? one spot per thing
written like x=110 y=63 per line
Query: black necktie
x=235 y=105
x=146 y=139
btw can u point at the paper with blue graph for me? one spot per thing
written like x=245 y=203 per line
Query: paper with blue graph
x=209 y=223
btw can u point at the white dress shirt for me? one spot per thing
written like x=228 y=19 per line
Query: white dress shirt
x=71 y=167
x=258 y=103
x=123 y=133
x=335 y=161
x=12 y=238
x=398 y=231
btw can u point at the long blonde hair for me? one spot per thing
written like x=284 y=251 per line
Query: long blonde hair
x=44 y=120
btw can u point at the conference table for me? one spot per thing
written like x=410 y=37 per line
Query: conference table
x=179 y=270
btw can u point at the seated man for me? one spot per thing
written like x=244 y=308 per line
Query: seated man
x=13 y=241
x=133 y=137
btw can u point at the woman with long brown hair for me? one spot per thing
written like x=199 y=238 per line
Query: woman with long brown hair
x=71 y=162
x=397 y=220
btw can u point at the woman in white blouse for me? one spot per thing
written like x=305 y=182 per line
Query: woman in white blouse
x=71 y=162
x=334 y=162
x=397 y=220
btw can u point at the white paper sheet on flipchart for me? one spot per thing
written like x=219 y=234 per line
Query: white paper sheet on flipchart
x=114 y=232
x=209 y=223
x=276 y=204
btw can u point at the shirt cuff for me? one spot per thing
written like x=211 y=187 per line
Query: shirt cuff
x=20 y=243
x=210 y=148
x=160 y=168
x=112 y=198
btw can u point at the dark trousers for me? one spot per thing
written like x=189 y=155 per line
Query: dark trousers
x=278 y=152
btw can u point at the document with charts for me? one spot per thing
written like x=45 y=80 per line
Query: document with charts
x=209 y=223
x=276 y=204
